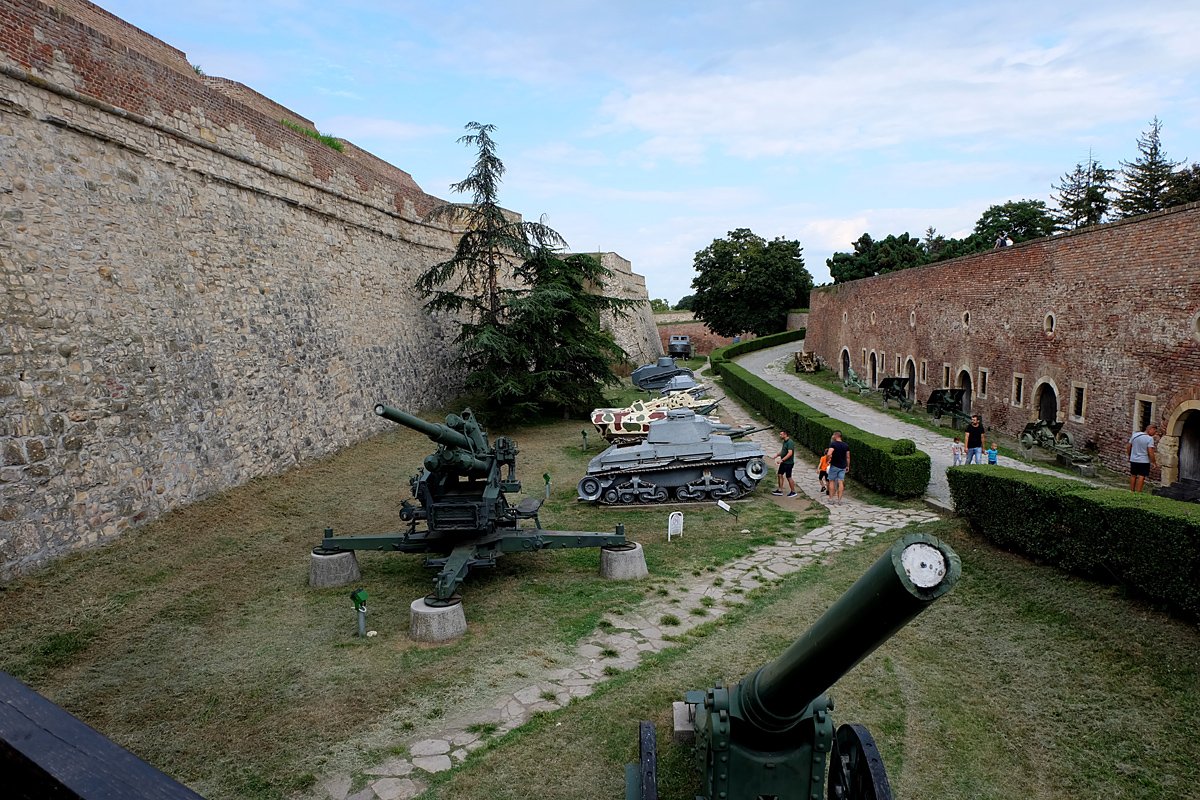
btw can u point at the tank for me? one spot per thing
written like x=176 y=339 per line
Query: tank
x=683 y=458
x=652 y=377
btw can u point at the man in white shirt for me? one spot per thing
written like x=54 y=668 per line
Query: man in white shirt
x=1141 y=457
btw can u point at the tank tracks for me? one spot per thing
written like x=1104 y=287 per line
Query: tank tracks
x=633 y=488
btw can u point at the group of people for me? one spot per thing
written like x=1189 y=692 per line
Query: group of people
x=976 y=446
x=835 y=461
x=831 y=470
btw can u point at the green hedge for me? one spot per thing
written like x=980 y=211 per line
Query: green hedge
x=891 y=466
x=1149 y=544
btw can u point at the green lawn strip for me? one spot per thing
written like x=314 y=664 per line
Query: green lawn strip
x=1020 y=683
x=195 y=641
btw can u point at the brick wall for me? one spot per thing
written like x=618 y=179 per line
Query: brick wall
x=1112 y=310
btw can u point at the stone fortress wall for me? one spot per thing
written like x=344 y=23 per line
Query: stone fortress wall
x=192 y=294
x=1098 y=329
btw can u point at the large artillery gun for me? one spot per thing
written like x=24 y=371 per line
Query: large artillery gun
x=771 y=734
x=461 y=498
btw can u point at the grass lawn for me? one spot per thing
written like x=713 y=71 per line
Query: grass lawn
x=196 y=643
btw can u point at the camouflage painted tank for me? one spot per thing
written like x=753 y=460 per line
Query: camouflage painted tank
x=682 y=458
x=631 y=424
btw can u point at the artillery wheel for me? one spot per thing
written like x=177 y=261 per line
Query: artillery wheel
x=1064 y=439
x=856 y=770
x=589 y=489
x=1027 y=441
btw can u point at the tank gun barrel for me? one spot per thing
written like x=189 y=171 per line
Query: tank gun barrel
x=914 y=572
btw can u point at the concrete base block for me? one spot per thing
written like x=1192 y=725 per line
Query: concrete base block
x=326 y=570
x=623 y=563
x=683 y=722
x=435 y=624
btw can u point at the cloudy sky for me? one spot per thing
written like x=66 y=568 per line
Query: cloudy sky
x=651 y=128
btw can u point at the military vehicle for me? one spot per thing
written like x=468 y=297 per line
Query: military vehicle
x=462 y=498
x=679 y=346
x=630 y=424
x=772 y=734
x=682 y=457
x=652 y=377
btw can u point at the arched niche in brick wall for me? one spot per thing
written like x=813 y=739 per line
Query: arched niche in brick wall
x=845 y=363
x=910 y=370
x=1045 y=400
x=964 y=382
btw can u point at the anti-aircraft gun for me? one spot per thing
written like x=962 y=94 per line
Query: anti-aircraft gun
x=772 y=733
x=461 y=499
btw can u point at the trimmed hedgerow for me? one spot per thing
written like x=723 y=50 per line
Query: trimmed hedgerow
x=1148 y=544
x=892 y=466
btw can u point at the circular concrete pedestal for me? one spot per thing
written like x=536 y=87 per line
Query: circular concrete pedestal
x=623 y=563
x=436 y=623
x=327 y=569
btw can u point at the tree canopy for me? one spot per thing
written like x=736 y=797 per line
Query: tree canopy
x=532 y=344
x=745 y=284
x=1146 y=179
x=1083 y=195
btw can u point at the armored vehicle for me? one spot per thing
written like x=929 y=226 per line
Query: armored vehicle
x=680 y=346
x=631 y=424
x=682 y=457
x=772 y=734
x=652 y=377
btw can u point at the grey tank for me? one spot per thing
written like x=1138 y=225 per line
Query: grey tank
x=681 y=458
x=652 y=377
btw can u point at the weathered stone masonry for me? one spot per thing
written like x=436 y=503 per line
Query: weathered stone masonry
x=191 y=294
x=1102 y=325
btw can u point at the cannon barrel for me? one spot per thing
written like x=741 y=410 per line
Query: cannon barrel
x=914 y=572
x=434 y=430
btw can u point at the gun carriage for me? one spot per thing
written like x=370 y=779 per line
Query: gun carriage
x=948 y=402
x=895 y=388
x=461 y=499
x=807 y=362
x=853 y=382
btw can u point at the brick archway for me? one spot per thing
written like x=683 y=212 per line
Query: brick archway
x=1045 y=400
x=1179 y=447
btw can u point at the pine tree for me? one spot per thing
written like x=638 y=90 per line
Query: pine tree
x=1083 y=195
x=1145 y=179
x=531 y=343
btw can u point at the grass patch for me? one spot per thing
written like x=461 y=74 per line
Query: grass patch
x=331 y=142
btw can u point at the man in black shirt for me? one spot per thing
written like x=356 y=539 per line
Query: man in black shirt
x=839 y=465
x=976 y=440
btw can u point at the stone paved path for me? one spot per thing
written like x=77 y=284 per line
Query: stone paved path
x=621 y=640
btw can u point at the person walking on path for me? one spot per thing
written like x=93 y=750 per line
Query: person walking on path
x=1141 y=457
x=956 y=451
x=786 y=460
x=839 y=465
x=976 y=440
x=823 y=473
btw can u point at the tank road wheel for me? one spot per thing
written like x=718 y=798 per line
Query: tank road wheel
x=856 y=770
x=657 y=495
x=611 y=496
x=756 y=468
x=589 y=489
x=687 y=494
